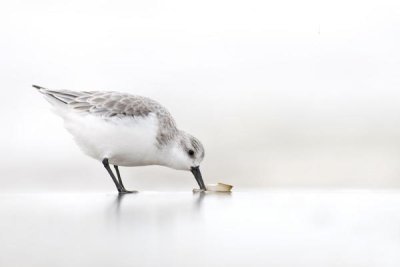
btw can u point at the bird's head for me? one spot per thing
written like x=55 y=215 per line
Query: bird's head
x=186 y=154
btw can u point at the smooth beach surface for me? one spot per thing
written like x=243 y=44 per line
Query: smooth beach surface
x=252 y=228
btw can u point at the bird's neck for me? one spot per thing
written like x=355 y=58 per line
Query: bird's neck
x=170 y=155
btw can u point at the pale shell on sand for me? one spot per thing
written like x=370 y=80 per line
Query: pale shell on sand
x=219 y=187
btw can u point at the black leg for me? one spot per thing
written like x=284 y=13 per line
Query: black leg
x=120 y=181
x=107 y=166
x=119 y=176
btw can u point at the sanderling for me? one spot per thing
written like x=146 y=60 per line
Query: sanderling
x=126 y=130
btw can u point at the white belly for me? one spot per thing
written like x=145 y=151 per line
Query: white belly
x=125 y=142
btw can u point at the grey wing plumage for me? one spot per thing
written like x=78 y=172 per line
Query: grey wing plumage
x=114 y=105
x=105 y=104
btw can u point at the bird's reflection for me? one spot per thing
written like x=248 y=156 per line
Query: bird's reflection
x=158 y=208
x=118 y=201
x=199 y=199
x=201 y=195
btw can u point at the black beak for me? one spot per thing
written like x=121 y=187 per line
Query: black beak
x=197 y=174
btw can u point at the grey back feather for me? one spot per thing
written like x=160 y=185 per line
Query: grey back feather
x=110 y=104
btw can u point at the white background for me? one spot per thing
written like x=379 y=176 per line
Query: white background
x=281 y=93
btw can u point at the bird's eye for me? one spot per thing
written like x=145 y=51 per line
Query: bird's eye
x=191 y=152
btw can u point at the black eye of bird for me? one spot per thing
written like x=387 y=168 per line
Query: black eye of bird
x=191 y=152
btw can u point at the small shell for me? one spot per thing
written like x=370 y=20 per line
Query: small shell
x=219 y=187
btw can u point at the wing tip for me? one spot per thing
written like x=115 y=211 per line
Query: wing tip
x=37 y=86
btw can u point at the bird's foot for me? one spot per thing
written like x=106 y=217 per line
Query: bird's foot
x=124 y=191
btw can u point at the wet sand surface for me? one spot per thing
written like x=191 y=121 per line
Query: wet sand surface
x=252 y=228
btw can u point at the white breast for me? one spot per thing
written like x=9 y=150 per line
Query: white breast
x=124 y=141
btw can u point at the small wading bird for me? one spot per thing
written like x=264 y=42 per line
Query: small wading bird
x=126 y=130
